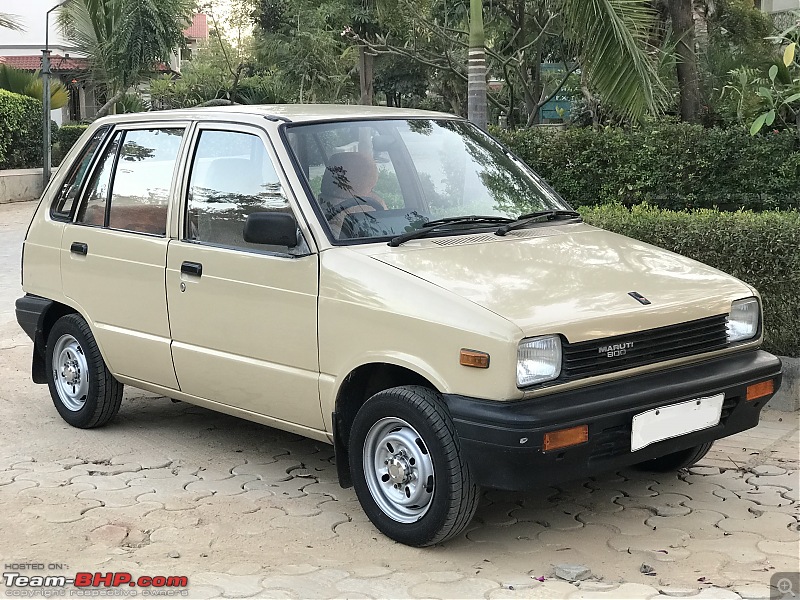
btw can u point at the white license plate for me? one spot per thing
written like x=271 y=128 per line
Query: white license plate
x=674 y=420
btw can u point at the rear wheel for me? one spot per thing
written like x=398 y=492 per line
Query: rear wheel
x=676 y=460
x=407 y=469
x=84 y=392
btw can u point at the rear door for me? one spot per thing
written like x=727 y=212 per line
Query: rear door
x=243 y=316
x=113 y=256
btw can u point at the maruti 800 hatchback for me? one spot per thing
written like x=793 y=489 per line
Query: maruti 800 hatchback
x=393 y=282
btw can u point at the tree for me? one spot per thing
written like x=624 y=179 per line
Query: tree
x=606 y=39
x=30 y=84
x=682 y=15
x=476 y=66
x=124 y=38
x=12 y=22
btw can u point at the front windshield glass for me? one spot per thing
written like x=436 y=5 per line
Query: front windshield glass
x=378 y=179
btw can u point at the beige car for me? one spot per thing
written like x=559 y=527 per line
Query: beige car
x=393 y=282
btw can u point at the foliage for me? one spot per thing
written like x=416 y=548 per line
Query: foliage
x=758 y=248
x=781 y=100
x=300 y=44
x=67 y=136
x=124 y=38
x=12 y=22
x=671 y=165
x=20 y=131
x=31 y=84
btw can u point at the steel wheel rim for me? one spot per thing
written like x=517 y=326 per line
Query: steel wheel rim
x=399 y=470
x=70 y=373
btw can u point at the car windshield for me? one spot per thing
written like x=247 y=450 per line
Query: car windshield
x=374 y=180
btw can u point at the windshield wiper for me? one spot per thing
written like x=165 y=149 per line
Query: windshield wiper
x=432 y=226
x=535 y=217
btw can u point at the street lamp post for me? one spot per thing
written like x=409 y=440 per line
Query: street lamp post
x=46 y=95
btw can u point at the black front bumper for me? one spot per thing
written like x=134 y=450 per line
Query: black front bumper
x=502 y=441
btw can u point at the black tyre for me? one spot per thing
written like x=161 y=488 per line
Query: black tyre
x=407 y=468
x=676 y=460
x=84 y=392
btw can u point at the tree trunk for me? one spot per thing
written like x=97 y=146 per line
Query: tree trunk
x=106 y=108
x=476 y=66
x=366 y=63
x=683 y=27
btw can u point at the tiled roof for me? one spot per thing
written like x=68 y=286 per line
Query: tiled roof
x=57 y=63
x=198 y=30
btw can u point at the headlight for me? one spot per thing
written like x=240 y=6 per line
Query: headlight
x=743 y=320
x=538 y=360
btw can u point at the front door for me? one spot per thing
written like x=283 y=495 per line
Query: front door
x=243 y=316
x=113 y=256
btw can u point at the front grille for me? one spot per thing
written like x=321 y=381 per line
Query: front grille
x=586 y=359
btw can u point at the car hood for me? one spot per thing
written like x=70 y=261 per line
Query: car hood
x=571 y=279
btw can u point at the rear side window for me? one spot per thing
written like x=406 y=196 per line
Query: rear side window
x=130 y=187
x=65 y=199
x=142 y=180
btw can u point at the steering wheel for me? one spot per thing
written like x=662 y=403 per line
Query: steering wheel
x=332 y=210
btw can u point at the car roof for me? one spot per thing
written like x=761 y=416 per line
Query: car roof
x=291 y=113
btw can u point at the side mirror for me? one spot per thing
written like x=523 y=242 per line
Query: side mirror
x=271 y=228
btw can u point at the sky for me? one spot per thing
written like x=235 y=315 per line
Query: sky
x=32 y=15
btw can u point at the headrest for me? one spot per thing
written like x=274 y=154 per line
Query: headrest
x=349 y=174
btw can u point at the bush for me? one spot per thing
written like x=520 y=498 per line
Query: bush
x=762 y=249
x=67 y=136
x=20 y=131
x=671 y=165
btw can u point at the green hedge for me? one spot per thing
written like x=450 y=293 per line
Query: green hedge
x=762 y=249
x=68 y=135
x=671 y=165
x=20 y=131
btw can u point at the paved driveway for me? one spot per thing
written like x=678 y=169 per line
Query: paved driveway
x=245 y=510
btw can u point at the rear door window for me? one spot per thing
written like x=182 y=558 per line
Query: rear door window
x=70 y=189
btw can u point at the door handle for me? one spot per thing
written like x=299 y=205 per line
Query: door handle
x=79 y=248
x=192 y=268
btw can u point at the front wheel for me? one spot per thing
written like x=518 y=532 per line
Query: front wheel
x=407 y=468
x=84 y=392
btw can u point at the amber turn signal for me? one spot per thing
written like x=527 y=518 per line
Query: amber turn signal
x=473 y=358
x=759 y=390
x=566 y=437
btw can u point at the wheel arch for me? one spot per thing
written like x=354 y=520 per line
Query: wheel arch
x=48 y=318
x=357 y=387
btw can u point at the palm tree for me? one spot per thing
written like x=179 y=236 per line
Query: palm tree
x=124 y=38
x=12 y=22
x=31 y=84
x=476 y=66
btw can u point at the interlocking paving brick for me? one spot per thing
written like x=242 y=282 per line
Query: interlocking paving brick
x=698 y=470
x=126 y=496
x=677 y=591
x=700 y=524
x=110 y=535
x=105 y=482
x=665 y=505
x=778 y=524
x=124 y=515
x=318 y=527
x=716 y=593
x=789 y=480
x=768 y=496
x=768 y=470
x=661 y=539
x=497 y=513
x=738 y=547
x=630 y=521
x=730 y=479
x=471 y=587
x=8 y=462
x=329 y=488
x=551 y=590
x=772 y=547
x=62 y=513
x=753 y=591
x=8 y=476
x=233 y=586
x=630 y=487
x=733 y=508
x=513 y=537
x=562 y=517
x=144 y=460
x=323 y=583
x=623 y=592
x=224 y=487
